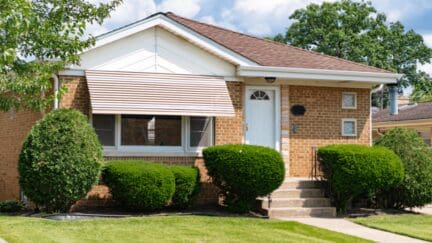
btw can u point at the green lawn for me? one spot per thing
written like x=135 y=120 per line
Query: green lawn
x=417 y=226
x=164 y=229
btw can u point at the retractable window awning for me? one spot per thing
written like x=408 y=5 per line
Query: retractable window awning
x=117 y=92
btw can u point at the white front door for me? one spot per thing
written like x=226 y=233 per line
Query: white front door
x=260 y=112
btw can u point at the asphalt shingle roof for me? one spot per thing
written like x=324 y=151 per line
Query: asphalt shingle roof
x=410 y=112
x=270 y=53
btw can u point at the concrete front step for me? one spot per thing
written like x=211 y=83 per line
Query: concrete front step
x=300 y=184
x=324 y=212
x=298 y=193
x=296 y=202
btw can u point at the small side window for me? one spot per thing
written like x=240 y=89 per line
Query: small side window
x=200 y=131
x=349 y=100
x=349 y=127
x=105 y=128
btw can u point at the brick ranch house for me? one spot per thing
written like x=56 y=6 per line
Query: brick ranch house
x=165 y=87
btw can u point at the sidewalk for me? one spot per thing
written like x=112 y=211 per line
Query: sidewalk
x=425 y=210
x=350 y=228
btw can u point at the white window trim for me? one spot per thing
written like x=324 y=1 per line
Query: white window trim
x=139 y=150
x=355 y=127
x=355 y=100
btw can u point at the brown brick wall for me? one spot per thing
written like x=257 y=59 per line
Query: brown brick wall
x=14 y=127
x=100 y=196
x=77 y=95
x=229 y=130
x=321 y=124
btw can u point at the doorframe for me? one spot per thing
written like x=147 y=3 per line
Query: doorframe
x=277 y=113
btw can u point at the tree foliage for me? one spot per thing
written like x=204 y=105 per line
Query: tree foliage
x=416 y=188
x=422 y=92
x=356 y=31
x=37 y=39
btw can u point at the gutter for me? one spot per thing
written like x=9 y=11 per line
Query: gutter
x=317 y=74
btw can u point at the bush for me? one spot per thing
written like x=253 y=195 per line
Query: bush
x=187 y=185
x=356 y=170
x=139 y=185
x=416 y=188
x=60 y=160
x=11 y=206
x=244 y=172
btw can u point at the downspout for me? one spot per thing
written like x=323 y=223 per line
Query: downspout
x=373 y=91
x=377 y=89
x=56 y=91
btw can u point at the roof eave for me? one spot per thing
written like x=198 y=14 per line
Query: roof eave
x=317 y=74
x=402 y=123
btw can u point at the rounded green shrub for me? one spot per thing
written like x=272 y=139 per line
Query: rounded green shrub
x=355 y=170
x=187 y=185
x=244 y=172
x=139 y=185
x=60 y=160
x=416 y=188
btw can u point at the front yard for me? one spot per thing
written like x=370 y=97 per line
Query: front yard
x=164 y=229
x=412 y=225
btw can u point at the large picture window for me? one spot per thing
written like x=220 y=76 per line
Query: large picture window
x=151 y=130
x=153 y=133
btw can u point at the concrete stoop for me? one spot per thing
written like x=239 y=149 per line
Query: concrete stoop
x=298 y=197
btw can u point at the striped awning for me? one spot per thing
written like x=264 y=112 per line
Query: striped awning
x=116 y=92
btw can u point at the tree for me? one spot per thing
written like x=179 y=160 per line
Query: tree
x=356 y=31
x=422 y=92
x=37 y=39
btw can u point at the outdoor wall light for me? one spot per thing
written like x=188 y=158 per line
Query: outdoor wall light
x=270 y=80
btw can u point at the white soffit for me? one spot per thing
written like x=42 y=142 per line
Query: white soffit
x=158 y=94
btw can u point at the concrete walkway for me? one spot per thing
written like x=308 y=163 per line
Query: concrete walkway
x=350 y=228
x=424 y=210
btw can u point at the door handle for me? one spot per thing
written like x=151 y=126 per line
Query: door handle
x=246 y=127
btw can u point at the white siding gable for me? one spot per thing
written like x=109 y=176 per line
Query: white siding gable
x=155 y=50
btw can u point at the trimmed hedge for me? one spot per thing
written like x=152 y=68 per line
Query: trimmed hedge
x=357 y=170
x=139 y=185
x=416 y=187
x=244 y=172
x=60 y=160
x=11 y=206
x=187 y=185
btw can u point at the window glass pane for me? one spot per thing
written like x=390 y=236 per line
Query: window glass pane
x=349 y=127
x=349 y=100
x=200 y=132
x=105 y=127
x=151 y=130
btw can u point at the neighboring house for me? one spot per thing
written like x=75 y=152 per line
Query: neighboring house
x=417 y=116
x=165 y=87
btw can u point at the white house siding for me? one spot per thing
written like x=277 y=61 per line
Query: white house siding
x=155 y=50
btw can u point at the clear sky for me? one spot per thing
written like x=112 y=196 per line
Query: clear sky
x=262 y=17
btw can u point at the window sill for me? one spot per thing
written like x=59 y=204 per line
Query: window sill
x=119 y=153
